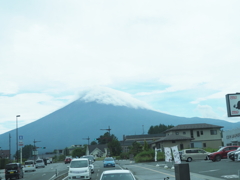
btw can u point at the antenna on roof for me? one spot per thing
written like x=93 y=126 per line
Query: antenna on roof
x=143 y=128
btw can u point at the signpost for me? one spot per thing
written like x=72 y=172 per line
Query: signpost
x=233 y=104
x=20 y=143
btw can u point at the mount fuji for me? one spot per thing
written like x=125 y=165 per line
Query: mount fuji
x=94 y=110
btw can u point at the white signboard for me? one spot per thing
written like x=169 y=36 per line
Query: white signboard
x=168 y=154
x=176 y=156
x=233 y=105
x=20 y=143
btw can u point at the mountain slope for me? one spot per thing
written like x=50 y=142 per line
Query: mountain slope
x=79 y=120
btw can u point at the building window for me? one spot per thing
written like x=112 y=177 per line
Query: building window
x=213 y=132
x=173 y=141
x=184 y=132
x=204 y=145
x=198 y=134
x=177 y=133
x=201 y=132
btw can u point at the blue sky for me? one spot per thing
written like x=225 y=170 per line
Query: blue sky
x=178 y=57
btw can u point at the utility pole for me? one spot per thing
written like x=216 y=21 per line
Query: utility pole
x=87 y=139
x=35 y=150
x=9 y=146
x=107 y=129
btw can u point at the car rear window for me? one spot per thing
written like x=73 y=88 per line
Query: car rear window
x=11 y=166
x=28 y=162
x=39 y=161
x=79 y=164
x=118 y=176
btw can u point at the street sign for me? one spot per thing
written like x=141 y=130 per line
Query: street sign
x=35 y=153
x=233 y=104
x=21 y=137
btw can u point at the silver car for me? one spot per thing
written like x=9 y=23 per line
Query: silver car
x=117 y=174
x=194 y=154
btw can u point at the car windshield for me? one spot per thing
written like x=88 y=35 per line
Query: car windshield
x=78 y=164
x=118 y=176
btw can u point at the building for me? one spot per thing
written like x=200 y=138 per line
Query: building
x=130 y=139
x=231 y=137
x=191 y=136
x=98 y=150
x=4 y=154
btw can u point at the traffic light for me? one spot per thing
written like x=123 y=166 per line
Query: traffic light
x=44 y=147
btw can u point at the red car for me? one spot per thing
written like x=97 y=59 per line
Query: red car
x=67 y=160
x=221 y=153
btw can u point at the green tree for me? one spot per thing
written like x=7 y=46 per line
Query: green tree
x=145 y=146
x=159 y=128
x=114 y=146
x=135 y=148
x=26 y=151
x=104 y=139
x=78 y=152
x=93 y=143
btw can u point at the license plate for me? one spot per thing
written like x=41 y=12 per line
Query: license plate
x=11 y=172
x=76 y=177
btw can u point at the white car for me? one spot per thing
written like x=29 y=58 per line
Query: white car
x=29 y=166
x=117 y=174
x=237 y=156
x=40 y=163
x=79 y=169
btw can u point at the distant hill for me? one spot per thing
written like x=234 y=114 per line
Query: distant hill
x=79 y=120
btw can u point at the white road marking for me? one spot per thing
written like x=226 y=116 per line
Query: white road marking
x=230 y=176
x=209 y=170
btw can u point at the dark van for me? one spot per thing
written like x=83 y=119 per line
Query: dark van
x=13 y=170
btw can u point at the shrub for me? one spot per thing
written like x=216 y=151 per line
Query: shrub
x=148 y=156
x=210 y=149
x=124 y=155
x=145 y=156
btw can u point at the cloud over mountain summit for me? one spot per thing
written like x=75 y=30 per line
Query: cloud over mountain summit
x=104 y=95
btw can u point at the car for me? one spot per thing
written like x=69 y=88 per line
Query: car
x=13 y=170
x=91 y=161
x=40 y=163
x=29 y=166
x=221 y=153
x=108 y=162
x=67 y=160
x=90 y=157
x=117 y=174
x=194 y=154
x=231 y=154
x=79 y=168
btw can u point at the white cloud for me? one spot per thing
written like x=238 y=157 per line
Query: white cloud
x=206 y=111
x=105 y=95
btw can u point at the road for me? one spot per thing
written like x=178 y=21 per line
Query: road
x=200 y=170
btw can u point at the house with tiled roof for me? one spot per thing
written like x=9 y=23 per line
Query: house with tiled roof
x=128 y=140
x=200 y=135
x=97 y=150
